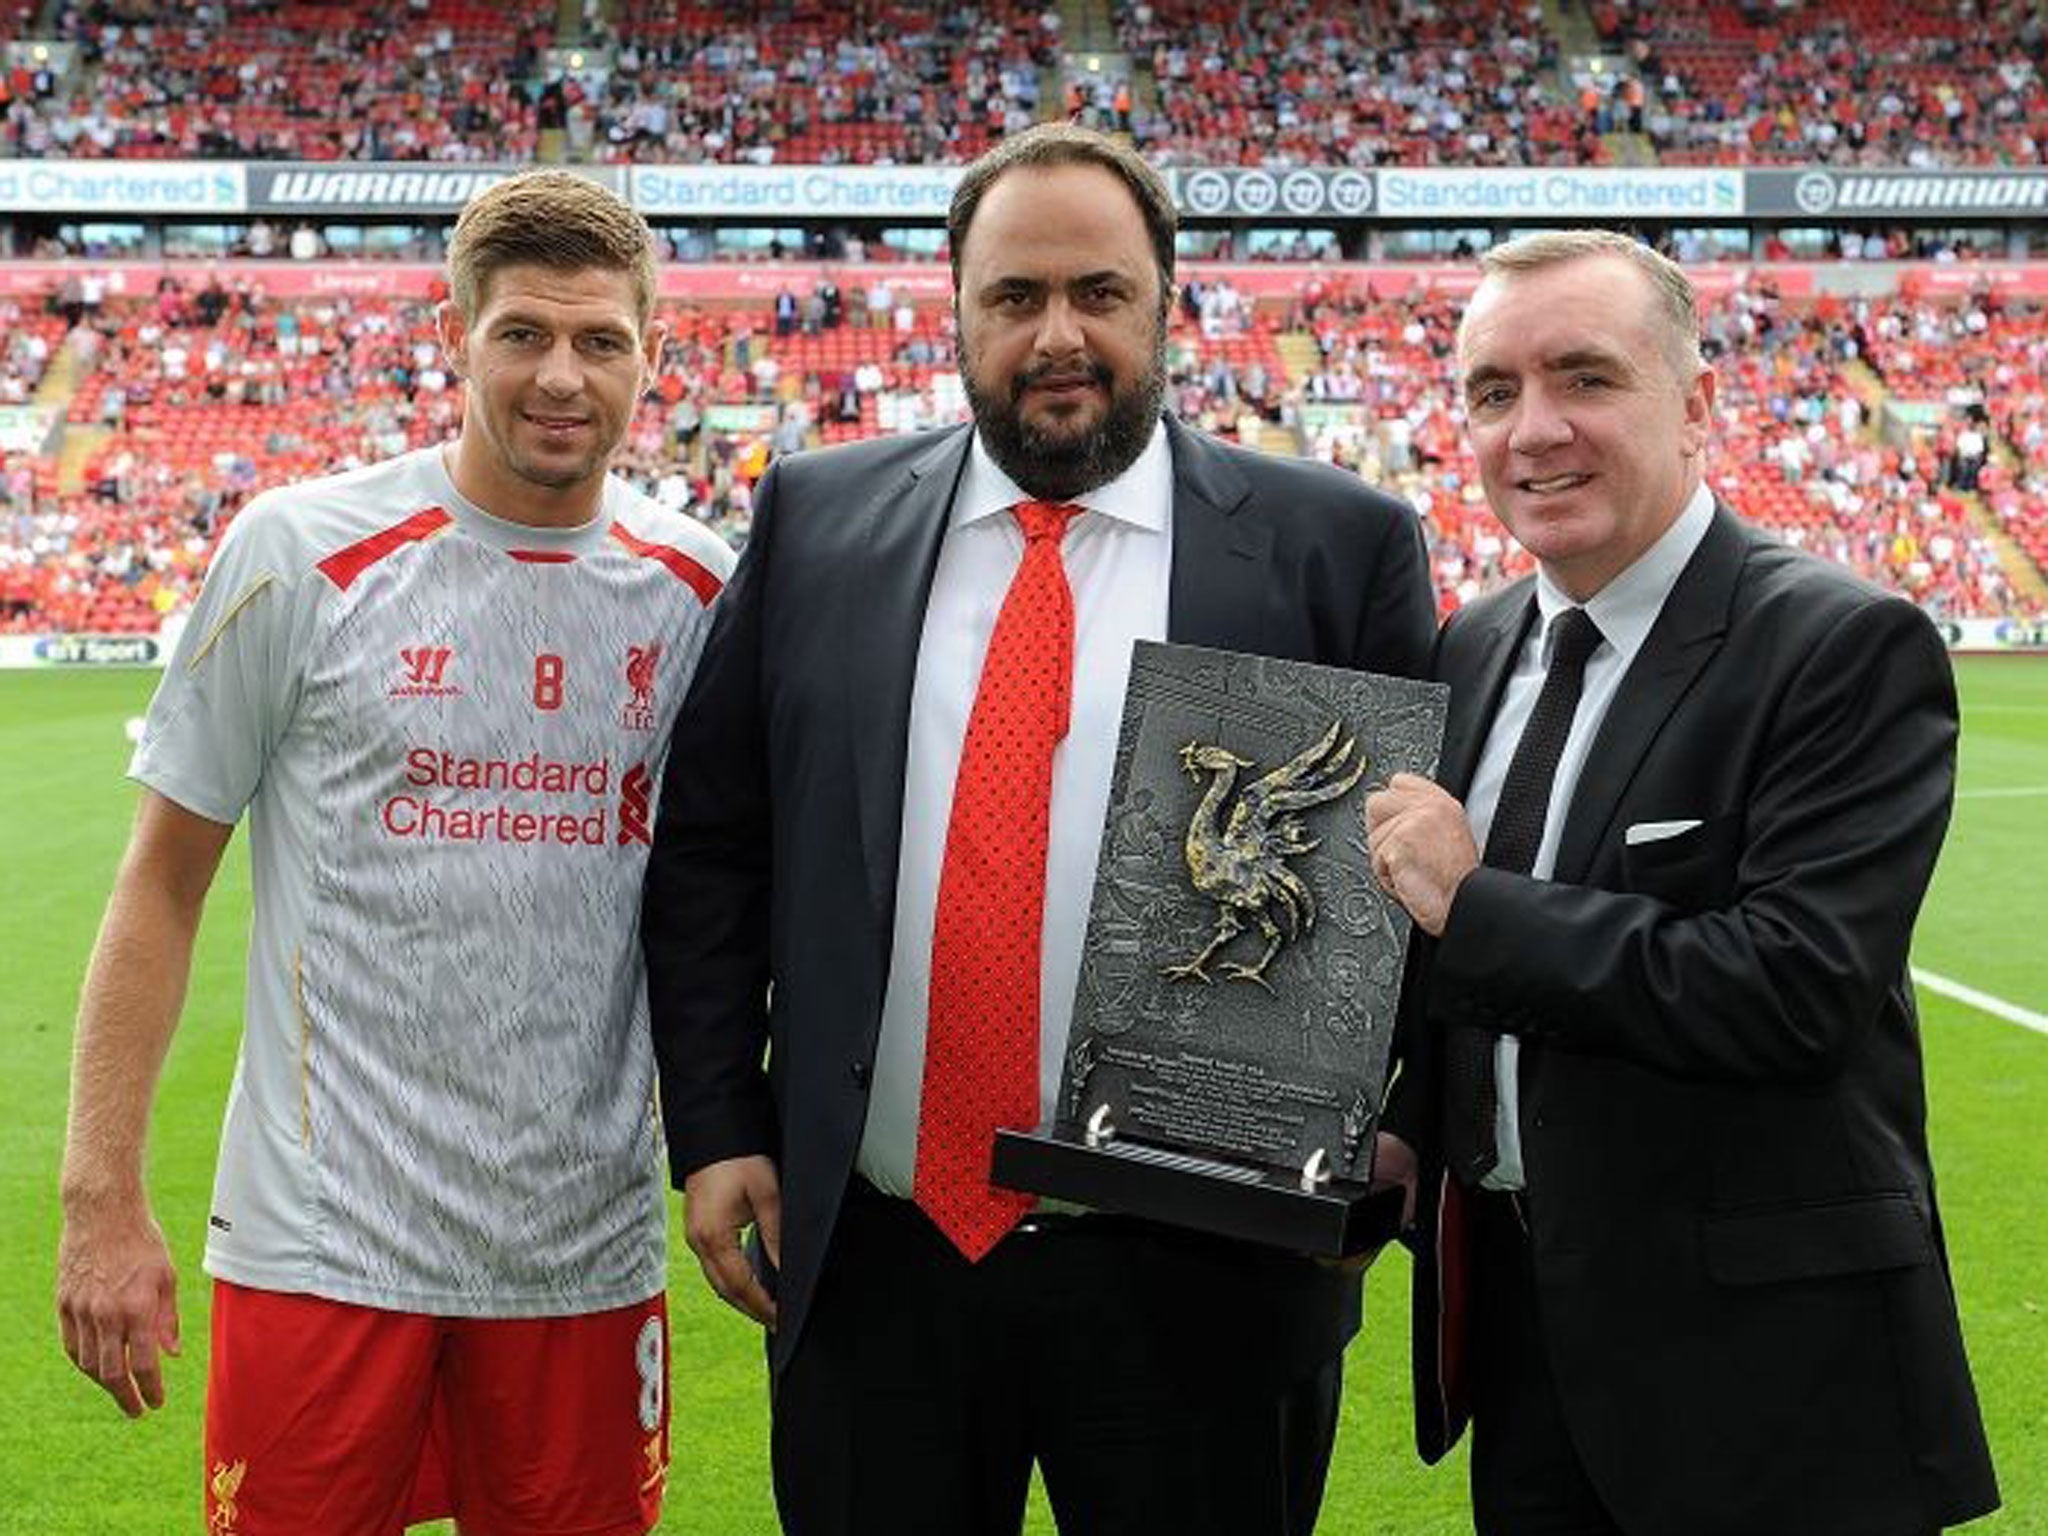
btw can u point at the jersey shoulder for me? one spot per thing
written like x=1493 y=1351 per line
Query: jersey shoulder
x=680 y=544
x=338 y=525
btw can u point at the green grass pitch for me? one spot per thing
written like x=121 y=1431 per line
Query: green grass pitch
x=69 y=1463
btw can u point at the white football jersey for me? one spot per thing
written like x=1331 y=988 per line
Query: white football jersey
x=448 y=731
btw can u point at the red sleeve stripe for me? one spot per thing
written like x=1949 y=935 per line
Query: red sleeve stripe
x=345 y=565
x=699 y=580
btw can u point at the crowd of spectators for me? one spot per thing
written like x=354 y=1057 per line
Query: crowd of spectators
x=901 y=83
x=299 y=80
x=1293 y=82
x=1799 y=446
x=1272 y=82
x=1878 y=432
x=1854 y=82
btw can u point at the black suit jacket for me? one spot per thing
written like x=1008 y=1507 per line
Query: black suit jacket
x=1738 y=1255
x=771 y=889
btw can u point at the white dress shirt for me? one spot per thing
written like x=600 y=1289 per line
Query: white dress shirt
x=1118 y=555
x=1624 y=609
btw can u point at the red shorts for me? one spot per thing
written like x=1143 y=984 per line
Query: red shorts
x=353 y=1421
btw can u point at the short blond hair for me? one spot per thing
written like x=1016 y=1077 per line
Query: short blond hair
x=553 y=219
x=1673 y=297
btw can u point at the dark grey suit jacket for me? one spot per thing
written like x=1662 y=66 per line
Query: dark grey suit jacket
x=771 y=889
x=1738 y=1255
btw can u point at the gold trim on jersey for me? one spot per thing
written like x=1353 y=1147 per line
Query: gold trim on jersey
x=248 y=595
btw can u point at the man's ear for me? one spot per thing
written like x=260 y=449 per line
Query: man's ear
x=454 y=333
x=651 y=344
x=1699 y=412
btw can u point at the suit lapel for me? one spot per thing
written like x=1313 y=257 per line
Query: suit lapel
x=1475 y=656
x=1221 y=562
x=1685 y=637
x=896 y=550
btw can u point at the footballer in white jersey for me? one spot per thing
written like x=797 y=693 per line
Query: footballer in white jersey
x=440 y=688
x=446 y=730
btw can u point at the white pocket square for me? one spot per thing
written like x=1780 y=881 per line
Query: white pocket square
x=1657 y=831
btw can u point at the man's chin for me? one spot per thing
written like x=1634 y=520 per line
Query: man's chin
x=557 y=477
x=1065 y=442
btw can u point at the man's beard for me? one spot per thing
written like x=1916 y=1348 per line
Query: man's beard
x=1058 y=466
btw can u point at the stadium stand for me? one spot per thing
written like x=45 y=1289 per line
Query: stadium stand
x=918 y=82
x=304 y=80
x=1898 y=425
x=806 y=84
x=1301 y=83
x=1848 y=82
x=1844 y=425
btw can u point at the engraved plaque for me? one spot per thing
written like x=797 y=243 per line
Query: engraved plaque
x=1239 y=984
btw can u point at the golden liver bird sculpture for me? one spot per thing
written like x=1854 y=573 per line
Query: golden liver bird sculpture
x=1241 y=864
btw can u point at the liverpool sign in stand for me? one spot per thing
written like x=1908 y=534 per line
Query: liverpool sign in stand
x=1242 y=971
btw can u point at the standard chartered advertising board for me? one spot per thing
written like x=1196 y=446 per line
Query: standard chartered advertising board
x=921 y=193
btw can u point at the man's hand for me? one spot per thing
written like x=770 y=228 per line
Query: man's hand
x=117 y=1300
x=720 y=1201
x=1394 y=1162
x=1421 y=846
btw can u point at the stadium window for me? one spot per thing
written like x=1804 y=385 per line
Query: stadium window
x=102 y=240
x=387 y=242
x=684 y=242
x=203 y=241
x=1284 y=244
x=1968 y=241
x=747 y=242
x=919 y=242
x=1433 y=244
x=1709 y=242
x=1202 y=244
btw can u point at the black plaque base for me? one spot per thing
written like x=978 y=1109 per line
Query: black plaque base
x=1335 y=1219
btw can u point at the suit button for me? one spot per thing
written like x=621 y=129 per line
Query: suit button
x=859 y=1073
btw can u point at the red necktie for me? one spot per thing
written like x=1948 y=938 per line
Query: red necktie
x=981 y=1036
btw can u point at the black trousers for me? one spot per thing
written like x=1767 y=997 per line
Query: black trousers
x=924 y=1388
x=1527 y=1478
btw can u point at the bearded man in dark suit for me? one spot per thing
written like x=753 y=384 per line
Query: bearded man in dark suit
x=876 y=864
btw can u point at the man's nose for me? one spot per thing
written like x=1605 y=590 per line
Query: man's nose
x=561 y=370
x=1059 y=329
x=1539 y=424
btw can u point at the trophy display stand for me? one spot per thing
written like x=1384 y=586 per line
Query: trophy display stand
x=1241 y=972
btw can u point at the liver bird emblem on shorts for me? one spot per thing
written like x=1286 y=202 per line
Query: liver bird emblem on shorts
x=225 y=1483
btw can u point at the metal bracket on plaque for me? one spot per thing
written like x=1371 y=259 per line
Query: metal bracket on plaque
x=1315 y=1173
x=1100 y=1128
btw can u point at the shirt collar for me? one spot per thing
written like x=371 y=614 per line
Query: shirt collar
x=1629 y=604
x=1141 y=496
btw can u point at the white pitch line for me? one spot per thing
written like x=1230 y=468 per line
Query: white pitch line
x=2005 y=792
x=1984 y=1002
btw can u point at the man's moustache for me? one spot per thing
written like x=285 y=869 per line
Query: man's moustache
x=1048 y=373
